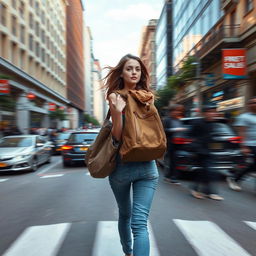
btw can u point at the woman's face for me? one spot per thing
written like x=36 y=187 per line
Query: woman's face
x=131 y=72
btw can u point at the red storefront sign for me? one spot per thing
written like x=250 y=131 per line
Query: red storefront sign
x=234 y=63
x=51 y=106
x=4 y=87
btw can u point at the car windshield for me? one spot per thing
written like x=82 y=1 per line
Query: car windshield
x=222 y=129
x=81 y=137
x=63 y=136
x=16 y=142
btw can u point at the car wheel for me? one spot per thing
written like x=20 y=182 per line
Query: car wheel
x=34 y=165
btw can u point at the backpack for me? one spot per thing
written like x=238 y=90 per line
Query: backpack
x=143 y=136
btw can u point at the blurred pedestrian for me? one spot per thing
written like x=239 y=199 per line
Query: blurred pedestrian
x=142 y=177
x=246 y=126
x=201 y=132
x=172 y=125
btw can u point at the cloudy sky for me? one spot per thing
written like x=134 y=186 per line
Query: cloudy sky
x=116 y=26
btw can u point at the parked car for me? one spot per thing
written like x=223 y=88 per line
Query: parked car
x=24 y=152
x=59 y=141
x=76 y=146
x=224 y=149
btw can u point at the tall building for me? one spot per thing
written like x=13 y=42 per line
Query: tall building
x=75 y=59
x=191 y=21
x=234 y=29
x=89 y=66
x=33 y=57
x=164 y=45
x=98 y=95
x=147 y=50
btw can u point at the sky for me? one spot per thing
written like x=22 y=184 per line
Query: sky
x=116 y=26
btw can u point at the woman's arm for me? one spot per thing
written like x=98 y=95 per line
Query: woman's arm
x=116 y=104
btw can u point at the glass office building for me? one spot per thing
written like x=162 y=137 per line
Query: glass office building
x=191 y=21
x=164 y=45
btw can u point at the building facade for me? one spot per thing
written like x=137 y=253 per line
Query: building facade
x=89 y=66
x=236 y=29
x=147 y=51
x=33 y=58
x=75 y=57
x=164 y=45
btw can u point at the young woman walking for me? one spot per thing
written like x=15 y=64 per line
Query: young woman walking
x=140 y=177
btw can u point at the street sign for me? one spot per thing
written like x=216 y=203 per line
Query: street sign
x=51 y=106
x=4 y=87
x=234 y=63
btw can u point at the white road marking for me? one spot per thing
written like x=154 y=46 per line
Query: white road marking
x=208 y=239
x=51 y=176
x=39 y=241
x=107 y=241
x=251 y=224
x=3 y=180
x=49 y=167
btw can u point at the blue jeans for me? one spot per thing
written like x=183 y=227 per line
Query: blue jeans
x=133 y=214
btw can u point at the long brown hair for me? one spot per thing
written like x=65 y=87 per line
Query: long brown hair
x=113 y=80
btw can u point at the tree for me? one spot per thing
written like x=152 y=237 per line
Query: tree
x=186 y=73
x=58 y=114
x=91 y=119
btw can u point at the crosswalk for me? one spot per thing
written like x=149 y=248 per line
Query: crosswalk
x=205 y=238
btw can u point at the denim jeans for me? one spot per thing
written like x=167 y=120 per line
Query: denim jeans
x=142 y=177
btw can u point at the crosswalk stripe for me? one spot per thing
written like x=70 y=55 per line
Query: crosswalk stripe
x=208 y=239
x=39 y=240
x=107 y=241
x=3 y=180
x=51 y=176
x=251 y=224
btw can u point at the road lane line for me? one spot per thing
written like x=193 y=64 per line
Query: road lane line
x=3 y=180
x=107 y=240
x=49 y=167
x=208 y=239
x=51 y=176
x=251 y=224
x=39 y=240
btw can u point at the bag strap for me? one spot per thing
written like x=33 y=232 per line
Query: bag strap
x=108 y=115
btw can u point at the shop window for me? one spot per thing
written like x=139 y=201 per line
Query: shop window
x=248 y=5
x=3 y=14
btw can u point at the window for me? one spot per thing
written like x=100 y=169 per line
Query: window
x=22 y=9
x=43 y=36
x=248 y=5
x=22 y=34
x=37 y=49
x=31 y=3
x=31 y=42
x=14 y=25
x=31 y=21
x=13 y=53
x=22 y=59
x=43 y=17
x=14 y=4
x=37 y=29
x=37 y=8
x=43 y=55
x=3 y=48
x=3 y=14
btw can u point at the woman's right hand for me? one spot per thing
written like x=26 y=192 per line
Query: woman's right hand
x=117 y=103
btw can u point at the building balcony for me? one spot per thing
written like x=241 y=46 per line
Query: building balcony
x=227 y=3
x=210 y=46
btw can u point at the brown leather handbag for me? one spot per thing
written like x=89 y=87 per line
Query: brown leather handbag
x=101 y=155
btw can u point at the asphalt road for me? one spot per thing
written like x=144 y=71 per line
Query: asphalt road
x=65 y=212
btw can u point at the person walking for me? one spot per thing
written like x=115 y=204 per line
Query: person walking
x=246 y=126
x=201 y=131
x=172 y=125
x=141 y=177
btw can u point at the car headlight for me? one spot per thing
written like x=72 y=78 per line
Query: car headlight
x=21 y=157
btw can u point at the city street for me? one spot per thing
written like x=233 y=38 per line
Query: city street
x=64 y=212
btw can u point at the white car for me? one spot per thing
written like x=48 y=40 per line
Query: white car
x=24 y=152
